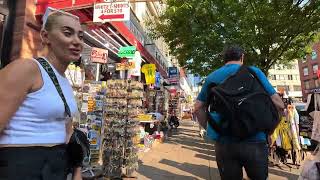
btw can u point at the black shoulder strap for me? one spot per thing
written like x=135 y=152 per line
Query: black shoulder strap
x=255 y=76
x=55 y=81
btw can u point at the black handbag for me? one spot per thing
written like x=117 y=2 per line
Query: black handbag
x=78 y=148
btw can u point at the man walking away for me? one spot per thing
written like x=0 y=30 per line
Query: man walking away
x=234 y=153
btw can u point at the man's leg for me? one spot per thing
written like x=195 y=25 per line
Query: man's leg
x=254 y=157
x=228 y=163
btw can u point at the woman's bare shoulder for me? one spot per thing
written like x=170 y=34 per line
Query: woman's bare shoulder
x=21 y=66
x=20 y=71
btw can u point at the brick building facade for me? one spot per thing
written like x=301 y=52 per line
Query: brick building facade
x=308 y=68
x=20 y=30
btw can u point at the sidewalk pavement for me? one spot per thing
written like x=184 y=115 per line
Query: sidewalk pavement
x=186 y=156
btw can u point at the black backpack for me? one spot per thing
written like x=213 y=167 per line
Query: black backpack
x=244 y=105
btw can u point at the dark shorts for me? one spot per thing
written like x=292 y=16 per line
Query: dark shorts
x=231 y=157
x=33 y=163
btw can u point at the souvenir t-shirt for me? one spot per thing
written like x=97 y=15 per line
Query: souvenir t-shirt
x=149 y=71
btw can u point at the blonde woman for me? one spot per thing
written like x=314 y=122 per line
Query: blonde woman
x=34 y=129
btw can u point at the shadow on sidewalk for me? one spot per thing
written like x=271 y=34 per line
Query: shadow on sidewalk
x=283 y=174
x=200 y=171
x=159 y=174
x=191 y=142
x=210 y=152
x=206 y=157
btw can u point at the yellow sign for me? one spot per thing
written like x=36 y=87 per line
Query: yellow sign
x=144 y=117
x=125 y=66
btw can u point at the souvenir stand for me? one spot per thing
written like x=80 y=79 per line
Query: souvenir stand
x=286 y=143
x=90 y=96
x=106 y=115
x=308 y=122
x=124 y=102
x=174 y=104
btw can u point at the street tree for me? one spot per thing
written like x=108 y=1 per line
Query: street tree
x=270 y=31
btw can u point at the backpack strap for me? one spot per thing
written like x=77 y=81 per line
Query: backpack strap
x=210 y=108
x=251 y=71
x=55 y=81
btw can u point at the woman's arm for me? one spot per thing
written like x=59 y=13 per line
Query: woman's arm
x=16 y=81
x=69 y=130
x=77 y=174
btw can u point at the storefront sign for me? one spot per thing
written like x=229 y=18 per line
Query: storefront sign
x=158 y=80
x=127 y=52
x=113 y=11
x=125 y=66
x=99 y=55
x=173 y=72
x=144 y=117
x=173 y=80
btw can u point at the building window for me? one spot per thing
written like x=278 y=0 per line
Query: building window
x=295 y=77
x=315 y=68
x=281 y=77
x=316 y=83
x=314 y=55
x=304 y=59
x=273 y=77
x=290 y=77
x=307 y=84
x=296 y=88
x=283 y=87
x=305 y=71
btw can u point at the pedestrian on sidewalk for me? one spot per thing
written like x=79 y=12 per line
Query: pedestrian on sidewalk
x=233 y=153
x=34 y=128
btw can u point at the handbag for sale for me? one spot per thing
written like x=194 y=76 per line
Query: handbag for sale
x=316 y=119
x=78 y=148
x=310 y=170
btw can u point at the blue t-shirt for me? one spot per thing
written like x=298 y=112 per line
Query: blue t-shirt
x=218 y=77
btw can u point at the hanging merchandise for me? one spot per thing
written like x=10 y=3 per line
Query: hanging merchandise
x=137 y=60
x=75 y=75
x=124 y=102
x=316 y=119
x=149 y=71
x=293 y=119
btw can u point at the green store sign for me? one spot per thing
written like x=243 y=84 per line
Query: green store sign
x=127 y=52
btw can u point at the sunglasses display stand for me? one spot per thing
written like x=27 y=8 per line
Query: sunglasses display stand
x=123 y=103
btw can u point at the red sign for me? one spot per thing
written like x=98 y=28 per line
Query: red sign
x=318 y=73
x=112 y=16
x=99 y=55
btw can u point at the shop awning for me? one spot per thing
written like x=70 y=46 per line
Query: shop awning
x=84 y=10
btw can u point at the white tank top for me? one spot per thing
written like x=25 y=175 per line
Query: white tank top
x=40 y=119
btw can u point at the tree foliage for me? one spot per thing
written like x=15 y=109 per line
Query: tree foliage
x=270 y=31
